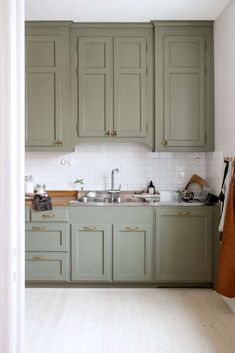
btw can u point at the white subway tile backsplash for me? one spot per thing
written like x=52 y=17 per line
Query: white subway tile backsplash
x=93 y=162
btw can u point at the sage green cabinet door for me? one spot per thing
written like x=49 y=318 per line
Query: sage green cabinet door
x=43 y=91
x=132 y=252
x=184 y=242
x=91 y=252
x=94 y=86
x=184 y=88
x=48 y=121
x=130 y=88
x=46 y=266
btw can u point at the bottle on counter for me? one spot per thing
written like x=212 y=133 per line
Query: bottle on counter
x=151 y=188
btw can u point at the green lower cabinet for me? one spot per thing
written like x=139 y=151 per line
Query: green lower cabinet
x=184 y=244
x=91 y=252
x=132 y=252
x=46 y=266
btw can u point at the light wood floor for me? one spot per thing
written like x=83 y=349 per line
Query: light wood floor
x=128 y=320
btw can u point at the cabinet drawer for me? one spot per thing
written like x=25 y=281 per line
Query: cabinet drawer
x=44 y=266
x=55 y=215
x=46 y=237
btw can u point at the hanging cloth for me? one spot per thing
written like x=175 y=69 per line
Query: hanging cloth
x=224 y=194
x=226 y=271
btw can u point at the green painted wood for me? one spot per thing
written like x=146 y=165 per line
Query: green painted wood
x=184 y=88
x=27 y=214
x=46 y=237
x=94 y=86
x=47 y=266
x=132 y=252
x=130 y=69
x=91 y=252
x=184 y=244
x=94 y=122
x=111 y=214
x=47 y=89
x=58 y=214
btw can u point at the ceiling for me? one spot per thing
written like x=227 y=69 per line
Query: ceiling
x=123 y=10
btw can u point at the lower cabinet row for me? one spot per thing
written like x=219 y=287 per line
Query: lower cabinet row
x=100 y=252
x=177 y=248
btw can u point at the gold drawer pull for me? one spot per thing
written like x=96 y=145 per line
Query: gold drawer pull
x=184 y=213
x=38 y=228
x=59 y=143
x=51 y=215
x=89 y=228
x=39 y=258
x=131 y=228
x=163 y=142
x=108 y=133
x=114 y=133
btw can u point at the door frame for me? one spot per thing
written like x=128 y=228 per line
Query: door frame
x=12 y=99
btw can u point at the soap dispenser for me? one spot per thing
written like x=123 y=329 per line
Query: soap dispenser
x=151 y=188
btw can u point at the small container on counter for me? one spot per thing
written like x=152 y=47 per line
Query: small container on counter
x=151 y=188
x=29 y=189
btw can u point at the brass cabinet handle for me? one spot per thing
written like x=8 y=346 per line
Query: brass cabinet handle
x=108 y=133
x=59 y=143
x=114 y=133
x=38 y=228
x=163 y=142
x=183 y=213
x=39 y=258
x=89 y=228
x=131 y=228
x=51 y=215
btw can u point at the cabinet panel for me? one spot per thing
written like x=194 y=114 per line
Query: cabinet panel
x=132 y=252
x=184 y=87
x=91 y=252
x=46 y=237
x=94 y=86
x=43 y=91
x=130 y=87
x=41 y=266
x=184 y=245
x=59 y=214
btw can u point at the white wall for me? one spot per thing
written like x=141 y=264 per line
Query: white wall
x=224 y=32
x=93 y=162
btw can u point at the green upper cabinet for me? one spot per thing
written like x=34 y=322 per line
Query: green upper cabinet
x=112 y=82
x=184 y=86
x=130 y=69
x=48 y=122
x=94 y=86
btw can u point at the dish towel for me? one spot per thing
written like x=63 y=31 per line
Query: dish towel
x=226 y=271
x=228 y=172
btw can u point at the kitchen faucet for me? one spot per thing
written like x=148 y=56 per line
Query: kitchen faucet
x=113 y=191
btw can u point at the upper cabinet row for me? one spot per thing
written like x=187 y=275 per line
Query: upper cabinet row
x=150 y=83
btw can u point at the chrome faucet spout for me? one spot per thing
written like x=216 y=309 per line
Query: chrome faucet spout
x=112 y=177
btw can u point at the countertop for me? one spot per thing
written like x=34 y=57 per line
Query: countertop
x=68 y=198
